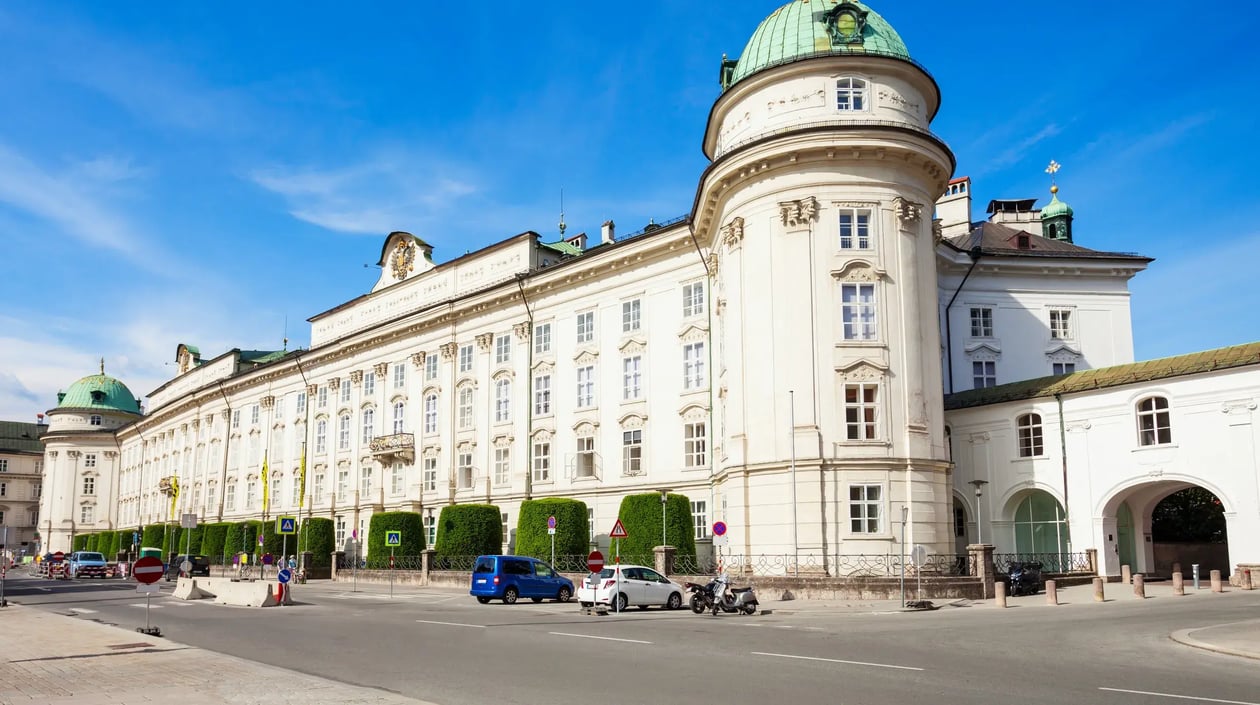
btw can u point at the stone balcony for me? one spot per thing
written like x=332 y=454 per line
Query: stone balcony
x=399 y=446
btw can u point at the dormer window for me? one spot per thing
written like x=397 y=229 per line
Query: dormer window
x=851 y=94
x=846 y=23
x=1023 y=242
x=97 y=396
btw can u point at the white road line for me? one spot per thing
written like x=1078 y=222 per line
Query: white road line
x=1180 y=697
x=141 y=604
x=834 y=660
x=601 y=638
x=82 y=610
x=452 y=624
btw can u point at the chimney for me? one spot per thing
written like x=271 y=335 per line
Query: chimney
x=606 y=235
x=578 y=241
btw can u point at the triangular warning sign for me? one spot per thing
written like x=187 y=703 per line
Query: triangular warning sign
x=618 y=531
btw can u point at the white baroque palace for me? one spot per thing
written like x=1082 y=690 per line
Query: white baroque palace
x=784 y=355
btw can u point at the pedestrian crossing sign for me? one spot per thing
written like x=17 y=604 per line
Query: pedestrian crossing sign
x=286 y=525
x=393 y=538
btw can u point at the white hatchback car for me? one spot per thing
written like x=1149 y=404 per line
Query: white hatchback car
x=633 y=585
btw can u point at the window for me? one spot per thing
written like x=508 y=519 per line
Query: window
x=466 y=407
x=236 y=418
x=585 y=327
x=321 y=434
x=1060 y=324
x=37 y=490
x=1154 y=423
x=95 y=419
x=503 y=401
x=585 y=456
x=860 y=412
x=465 y=358
x=632 y=452
x=1028 y=432
x=502 y=349
x=542 y=461
x=430 y=528
x=700 y=518
x=504 y=522
x=865 y=502
x=857 y=305
x=317 y=486
x=343 y=483
x=89 y=460
x=87 y=514
x=229 y=496
x=89 y=486
x=693 y=366
x=365 y=481
x=397 y=479
x=430 y=474
x=851 y=94
x=4 y=464
x=464 y=471
x=430 y=366
x=631 y=377
x=343 y=432
x=369 y=419
x=542 y=338
x=983 y=374
x=855 y=228
x=296 y=496
x=982 y=322
x=695 y=445
x=430 y=414
x=542 y=395
x=400 y=375
x=1063 y=368
x=400 y=415
x=586 y=386
x=321 y=399
x=276 y=496
x=341 y=531
x=693 y=299
x=253 y=415
x=301 y=403
x=369 y=383
x=345 y=391
x=502 y=465
x=630 y=313
x=4 y=487
x=590 y=521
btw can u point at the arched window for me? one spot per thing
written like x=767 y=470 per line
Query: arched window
x=851 y=94
x=1028 y=431
x=430 y=414
x=503 y=400
x=321 y=436
x=1154 y=424
x=466 y=407
x=343 y=432
x=400 y=415
x=369 y=418
x=1039 y=525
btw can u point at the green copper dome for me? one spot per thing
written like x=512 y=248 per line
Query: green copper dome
x=804 y=29
x=1055 y=208
x=99 y=392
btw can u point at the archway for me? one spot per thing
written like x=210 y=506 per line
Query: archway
x=1152 y=526
x=1039 y=525
x=962 y=532
x=1124 y=535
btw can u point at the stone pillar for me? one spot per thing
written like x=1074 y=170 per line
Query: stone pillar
x=999 y=594
x=426 y=564
x=1091 y=554
x=1139 y=586
x=1216 y=582
x=980 y=565
x=1246 y=576
x=1179 y=584
x=1176 y=568
x=1052 y=593
x=665 y=559
x=1126 y=574
x=336 y=558
x=304 y=563
x=1099 y=595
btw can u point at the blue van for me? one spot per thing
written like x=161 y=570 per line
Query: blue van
x=508 y=578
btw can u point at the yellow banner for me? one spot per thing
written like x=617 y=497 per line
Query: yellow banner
x=302 y=479
x=174 y=494
x=266 y=486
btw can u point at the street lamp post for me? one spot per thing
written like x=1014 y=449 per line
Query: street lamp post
x=978 y=484
x=664 y=499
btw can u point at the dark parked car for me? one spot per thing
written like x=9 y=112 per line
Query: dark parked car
x=200 y=566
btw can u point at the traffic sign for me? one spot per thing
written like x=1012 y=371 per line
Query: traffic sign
x=260 y=539
x=919 y=555
x=286 y=525
x=148 y=588
x=551 y=522
x=393 y=538
x=719 y=528
x=59 y=556
x=148 y=569
x=595 y=562
x=185 y=566
x=188 y=521
x=284 y=576
x=618 y=531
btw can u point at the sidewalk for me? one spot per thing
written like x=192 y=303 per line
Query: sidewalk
x=52 y=659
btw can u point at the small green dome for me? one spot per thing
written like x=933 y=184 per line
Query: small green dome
x=99 y=392
x=1055 y=208
x=804 y=29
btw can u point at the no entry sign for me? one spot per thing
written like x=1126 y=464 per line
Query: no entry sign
x=595 y=562
x=148 y=569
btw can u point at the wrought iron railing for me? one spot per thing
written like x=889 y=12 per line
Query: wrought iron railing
x=843 y=565
x=1050 y=562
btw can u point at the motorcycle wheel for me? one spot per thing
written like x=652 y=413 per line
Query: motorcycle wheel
x=697 y=604
x=749 y=609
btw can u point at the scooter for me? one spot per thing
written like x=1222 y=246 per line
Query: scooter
x=1025 y=578
x=717 y=596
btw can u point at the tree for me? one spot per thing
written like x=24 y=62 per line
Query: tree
x=1192 y=515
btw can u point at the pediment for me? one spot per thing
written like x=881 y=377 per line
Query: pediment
x=693 y=334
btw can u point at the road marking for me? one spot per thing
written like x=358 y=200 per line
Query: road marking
x=452 y=624
x=1180 y=697
x=141 y=604
x=601 y=638
x=852 y=663
x=82 y=610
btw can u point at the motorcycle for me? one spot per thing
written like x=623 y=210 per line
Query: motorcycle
x=718 y=595
x=1025 y=578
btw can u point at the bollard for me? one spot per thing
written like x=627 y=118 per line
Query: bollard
x=1246 y=583
x=999 y=593
x=1139 y=586
x=1179 y=584
x=1216 y=581
x=1176 y=568
x=1052 y=593
x=1194 y=568
x=1126 y=574
x=1098 y=590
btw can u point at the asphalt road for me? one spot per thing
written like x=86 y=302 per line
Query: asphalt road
x=444 y=647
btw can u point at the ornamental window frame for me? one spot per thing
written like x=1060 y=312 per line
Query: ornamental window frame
x=1061 y=322
x=400 y=416
x=503 y=400
x=343 y=431
x=430 y=413
x=1029 y=436
x=631 y=452
x=321 y=436
x=852 y=94
x=694 y=370
x=429 y=474
x=542 y=395
x=859 y=311
x=540 y=460
x=695 y=444
x=464 y=404
x=502 y=465
x=1154 y=421
x=861 y=405
x=632 y=378
x=368 y=425
x=856 y=227
x=586 y=386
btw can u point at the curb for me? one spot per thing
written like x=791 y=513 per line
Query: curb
x=1182 y=636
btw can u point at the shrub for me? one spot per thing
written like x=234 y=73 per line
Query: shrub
x=153 y=536
x=411 y=526
x=103 y=539
x=317 y=535
x=173 y=542
x=241 y=536
x=469 y=530
x=212 y=537
x=90 y=542
x=640 y=514
x=190 y=542
x=113 y=544
x=572 y=536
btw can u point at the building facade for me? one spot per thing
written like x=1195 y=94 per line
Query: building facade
x=21 y=485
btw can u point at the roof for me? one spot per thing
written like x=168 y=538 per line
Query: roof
x=1055 y=208
x=804 y=29
x=1106 y=377
x=995 y=239
x=99 y=392
x=1011 y=205
x=18 y=437
x=563 y=247
x=261 y=357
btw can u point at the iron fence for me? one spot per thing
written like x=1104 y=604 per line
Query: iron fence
x=1050 y=562
x=839 y=565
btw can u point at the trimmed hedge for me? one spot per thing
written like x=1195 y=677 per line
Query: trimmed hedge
x=90 y=543
x=241 y=536
x=191 y=541
x=153 y=536
x=573 y=531
x=409 y=523
x=173 y=542
x=318 y=536
x=640 y=514
x=212 y=536
x=103 y=539
x=469 y=530
x=79 y=542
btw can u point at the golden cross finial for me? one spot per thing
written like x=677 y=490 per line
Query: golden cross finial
x=1052 y=170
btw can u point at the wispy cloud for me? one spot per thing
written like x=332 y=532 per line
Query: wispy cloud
x=1018 y=151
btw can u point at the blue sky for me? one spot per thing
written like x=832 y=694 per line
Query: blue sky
x=199 y=172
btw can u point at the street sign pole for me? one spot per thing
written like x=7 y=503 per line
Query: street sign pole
x=617 y=572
